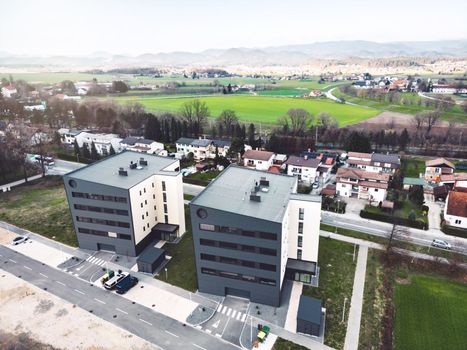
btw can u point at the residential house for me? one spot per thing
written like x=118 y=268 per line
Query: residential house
x=183 y=145
x=436 y=167
x=9 y=91
x=454 y=180
x=103 y=142
x=374 y=162
x=455 y=210
x=202 y=149
x=222 y=147
x=251 y=231
x=259 y=160
x=125 y=202
x=303 y=167
x=142 y=145
x=362 y=184
x=68 y=136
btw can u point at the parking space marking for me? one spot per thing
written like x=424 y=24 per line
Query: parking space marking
x=12 y=261
x=145 y=322
x=63 y=284
x=40 y=273
x=173 y=335
x=27 y=267
x=199 y=347
x=216 y=324
x=80 y=292
x=99 y=301
x=123 y=312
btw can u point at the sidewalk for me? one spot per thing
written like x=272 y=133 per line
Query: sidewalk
x=356 y=303
x=291 y=321
x=7 y=187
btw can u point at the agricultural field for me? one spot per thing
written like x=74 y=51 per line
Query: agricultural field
x=51 y=78
x=258 y=109
x=431 y=313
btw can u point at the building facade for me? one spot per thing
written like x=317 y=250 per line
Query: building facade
x=362 y=184
x=251 y=230
x=124 y=202
x=455 y=210
x=259 y=160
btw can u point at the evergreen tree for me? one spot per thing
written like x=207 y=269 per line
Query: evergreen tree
x=112 y=151
x=357 y=142
x=76 y=148
x=416 y=195
x=94 y=154
x=404 y=139
x=251 y=135
x=85 y=151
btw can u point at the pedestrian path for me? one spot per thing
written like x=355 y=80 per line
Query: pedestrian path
x=356 y=303
x=96 y=261
x=229 y=312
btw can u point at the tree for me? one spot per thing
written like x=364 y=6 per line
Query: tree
x=296 y=121
x=237 y=147
x=85 y=151
x=195 y=113
x=119 y=86
x=412 y=216
x=112 y=150
x=94 y=154
x=76 y=149
x=404 y=139
x=68 y=87
x=327 y=121
x=416 y=195
x=251 y=135
x=227 y=119
x=358 y=142
x=83 y=115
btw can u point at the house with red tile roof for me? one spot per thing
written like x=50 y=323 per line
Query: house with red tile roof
x=259 y=160
x=362 y=184
x=435 y=168
x=455 y=210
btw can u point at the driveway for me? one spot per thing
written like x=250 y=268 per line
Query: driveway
x=435 y=209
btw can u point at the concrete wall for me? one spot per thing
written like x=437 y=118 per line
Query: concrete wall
x=260 y=293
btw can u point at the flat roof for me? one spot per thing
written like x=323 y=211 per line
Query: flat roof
x=105 y=171
x=230 y=192
x=309 y=309
x=150 y=255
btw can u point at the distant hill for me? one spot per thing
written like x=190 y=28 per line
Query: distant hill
x=289 y=55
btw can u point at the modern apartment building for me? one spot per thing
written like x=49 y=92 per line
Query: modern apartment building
x=251 y=230
x=125 y=201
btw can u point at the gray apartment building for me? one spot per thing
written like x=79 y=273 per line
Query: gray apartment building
x=124 y=202
x=250 y=231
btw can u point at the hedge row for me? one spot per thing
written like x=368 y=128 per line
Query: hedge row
x=394 y=220
x=453 y=231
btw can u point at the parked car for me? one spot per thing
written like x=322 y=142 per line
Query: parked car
x=441 y=244
x=126 y=284
x=19 y=239
x=111 y=283
x=315 y=185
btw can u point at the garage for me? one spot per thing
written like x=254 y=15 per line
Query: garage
x=310 y=316
x=150 y=259
x=107 y=247
x=237 y=292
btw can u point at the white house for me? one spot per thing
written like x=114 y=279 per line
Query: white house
x=40 y=108
x=362 y=184
x=68 y=136
x=8 y=91
x=260 y=160
x=455 y=210
x=103 y=142
x=202 y=149
x=303 y=167
x=142 y=145
x=374 y=162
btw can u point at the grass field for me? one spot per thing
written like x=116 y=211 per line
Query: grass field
x=282 y=344
x=40 y=206
x=412 y=167
x=335 y=283
x=258 y=109
x=431 y=313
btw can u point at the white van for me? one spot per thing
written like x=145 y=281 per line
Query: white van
x=111 y=283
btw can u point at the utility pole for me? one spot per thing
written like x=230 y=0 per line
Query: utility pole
x=343 y=310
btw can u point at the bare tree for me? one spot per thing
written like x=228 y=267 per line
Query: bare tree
x=296 y=121
x=227 y=119
x=397 y=233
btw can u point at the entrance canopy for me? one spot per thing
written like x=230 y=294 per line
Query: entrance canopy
x=167 y=232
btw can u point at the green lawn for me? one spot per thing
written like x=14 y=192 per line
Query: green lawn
x=337 y=271
x=282 y=344
x=431 y=313
x=181 y=269
x=412 y=167
x=40 y=206
x=258 y=109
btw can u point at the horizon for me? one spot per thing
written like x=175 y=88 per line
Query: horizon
x=133 y=28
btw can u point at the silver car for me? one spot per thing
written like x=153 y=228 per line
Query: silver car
x=439 y=243
x=19 y=239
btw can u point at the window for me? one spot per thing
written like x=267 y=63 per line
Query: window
x=164 y=197
x=142 y=216
x=300 y=228
x=166 y=218
x=227 y=245
x=268 y=251
x=154 y=207
x=165 y=208
x=208 y=271
x=153 y=185
x=376 y=190
x=206 y=227
x=208 y=257
x=163 y=186
x=144 y=189
x=140 y=193
x=247 y=263
x=144 y=228
x=153 y=196
x=458 y=221
x=146 y=214
x=207 y=242
x=267 y=267
x=299 y=254
x=141 y=205
x=300 y=241
x=301 y=213
x=145 y=201
x=148 y=224
x=268 y=235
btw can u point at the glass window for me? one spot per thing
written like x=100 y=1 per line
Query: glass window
x=206 y=227
x=164 y=196
x=301 y=213
x=166 y=218
x=300 y=241
x=300 y=228
x=165 y=208
x=299 y=254
x=163 y=186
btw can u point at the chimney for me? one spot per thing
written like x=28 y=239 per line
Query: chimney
x=122 y=172
x=305 y=157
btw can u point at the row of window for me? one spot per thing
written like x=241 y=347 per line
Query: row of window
x=99 y=197
x=101 y=210
x=103 y=222
x=238 y=231
x=102 y=233
x=238 y=276
x=235 y=246
x=238 y=262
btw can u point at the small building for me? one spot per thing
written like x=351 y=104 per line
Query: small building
x=310 y=316
x=150 y=259
x=259 y=160
x=408 y=182
x=436 y=167
x=8 y=91
x=303 y=167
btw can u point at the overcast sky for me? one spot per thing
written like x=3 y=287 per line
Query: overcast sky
x=48 y=27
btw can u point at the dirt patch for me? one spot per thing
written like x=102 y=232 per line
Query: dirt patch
x=404 y=281
x=27 y=315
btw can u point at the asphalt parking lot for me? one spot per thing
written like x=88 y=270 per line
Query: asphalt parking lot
x=227 y=322
x=90 y=269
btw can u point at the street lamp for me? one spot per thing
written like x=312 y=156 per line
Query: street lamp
x=166 y=275
x=343 y=310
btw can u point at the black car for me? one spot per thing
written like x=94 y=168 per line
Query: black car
x=126 y=284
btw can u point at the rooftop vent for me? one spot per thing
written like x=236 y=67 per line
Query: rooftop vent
x=254 y=197
x=142 y=161
x=264 y=182
x=133 y=165
x=122 y=172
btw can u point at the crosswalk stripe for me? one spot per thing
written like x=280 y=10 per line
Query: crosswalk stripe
x=234 y=313
x=239 y=315
x=229 y=312
x=219 y=308
x=243 y=317
x=89 y=258
x=92 y=259
x=101 y=263
x=224 y=309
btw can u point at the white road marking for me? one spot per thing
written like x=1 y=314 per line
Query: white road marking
x=12 y=260
x=89 y=258
x=145 y=321
x=63 y=284
x=99 y=301
x=27 y=267
x=92 y=259
x=224 y=309
x=123 y=312
x=229 y=311
x=239 y=315
x=219 y=308
x=199 y=347
x=215 y=325
x=80 y=292
x=218 y=335
x=198 y=327
x=40 y=273
x=226 y=324
x=208 y=331
x=234 y=313
x=173 y=335
x=244 y=318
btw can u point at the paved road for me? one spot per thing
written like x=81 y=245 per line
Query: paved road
x=137 y=319
x=62 y=167
x=356 y=303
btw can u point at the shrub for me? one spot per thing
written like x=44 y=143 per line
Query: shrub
x=394 y=220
